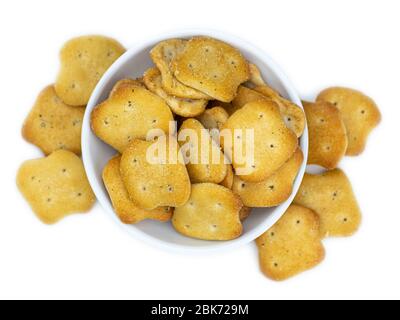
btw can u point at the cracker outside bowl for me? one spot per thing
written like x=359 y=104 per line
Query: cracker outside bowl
x=96 y=154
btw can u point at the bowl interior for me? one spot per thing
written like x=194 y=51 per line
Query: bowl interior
x=96 y=154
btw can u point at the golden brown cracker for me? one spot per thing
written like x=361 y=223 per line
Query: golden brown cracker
x=56 y=186
x=195 y=139
x=360 y=115
x=124 y=207
x=228 y=181
x=255 y=75
x=84 y=60
x=292 y=114
x=331 y=196
x=274 y=143
x=211 y=66
x=126 y=84
x=129 y=113
x=212 y=213
x=52 y=125
x=327 y=134
x=215 y=103
x=213 y=118
x=182 y=107
x=293 y=245
x=162 y=55
x=243 y=97
x=161 y=182
x=273 y=191
x=244 y=213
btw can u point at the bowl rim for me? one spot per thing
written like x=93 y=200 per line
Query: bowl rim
x=99 y=191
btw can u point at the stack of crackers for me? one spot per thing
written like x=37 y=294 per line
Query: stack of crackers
x=214 y=96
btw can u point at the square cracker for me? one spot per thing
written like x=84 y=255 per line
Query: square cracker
x=161 y=182
x=84 y=60
x=194 y=140
x=129 y=113
x=211 y=66
x=327 y=134
x=360 y=115
x=293 y=245
x=273 y=191
x=124 y=207
x=180 y=106
x=274 y=143
x=52 y=125
x=56 y=186
x=212 y=213
x=331 y=196
x=162 y=55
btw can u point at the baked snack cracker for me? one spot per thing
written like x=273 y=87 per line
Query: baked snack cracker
x=211 y=66
x=255 y=75
x=228 y=180
x=360 y=115
x=213 y=118
x=215 y=103
x=52 y=125
x=162 y=55
x=244 y=213
x=161 y=182
x=126 y=84
x=210 y=168
x=129 y=113
x=274 y=143
x=273 y=191
x=56 y=186
x=124 y=207
x=331 y=196
x=292 y=114
x=243 y=97
x=327 y=134
x=293 y=245
x=181 y=106
x=84 y=60
x=212 y=213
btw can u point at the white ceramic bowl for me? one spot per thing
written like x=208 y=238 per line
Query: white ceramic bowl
x=96 y=154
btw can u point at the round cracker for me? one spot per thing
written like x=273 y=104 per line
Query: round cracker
x=124 y=207
x=212 y=213
x=273 y=191
x=274 y=143
x=153 y=184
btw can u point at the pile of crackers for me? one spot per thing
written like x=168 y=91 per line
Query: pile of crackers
x=57 y=186
x=207 y=87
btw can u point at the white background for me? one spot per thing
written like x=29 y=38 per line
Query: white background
x=318 y=43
